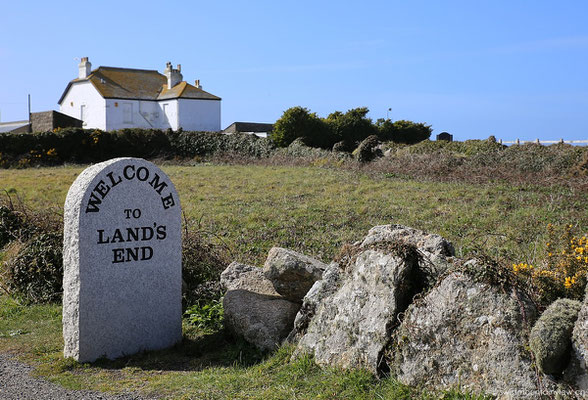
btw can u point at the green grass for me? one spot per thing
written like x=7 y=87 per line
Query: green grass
x=31 y=331
x=314 y=210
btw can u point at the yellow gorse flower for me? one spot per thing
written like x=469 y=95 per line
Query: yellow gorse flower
x=565 y=265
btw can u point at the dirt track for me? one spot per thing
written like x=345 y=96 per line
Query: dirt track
x=16 y=383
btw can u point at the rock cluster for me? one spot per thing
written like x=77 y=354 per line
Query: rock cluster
x=260 y=304
x=399 y=303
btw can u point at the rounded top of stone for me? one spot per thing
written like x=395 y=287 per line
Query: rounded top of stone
x=96 y=181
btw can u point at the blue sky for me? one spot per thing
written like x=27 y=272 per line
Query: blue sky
x=513 y=69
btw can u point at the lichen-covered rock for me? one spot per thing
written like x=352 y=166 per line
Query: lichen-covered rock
x=320 y=290
x=292 y=274
x=253 y=309
x=368 y=149
x=435 y=251
x=551 y=336
x=341 y=146
x=352 y=322
x=248 y=277
x=577 y=371
x=426 y=242
x=468 y=334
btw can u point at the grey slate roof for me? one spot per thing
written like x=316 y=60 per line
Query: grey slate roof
x=12 y=126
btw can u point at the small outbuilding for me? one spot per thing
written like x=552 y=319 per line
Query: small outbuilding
x=445 y=136
x=252 y=128
x=41 y=122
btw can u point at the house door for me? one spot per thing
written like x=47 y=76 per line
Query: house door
x=170 y=116
x=127 y=109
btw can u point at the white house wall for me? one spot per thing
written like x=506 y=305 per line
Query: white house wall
x=200 y=115
x=114 y=114
x=169 y=112
x=83 y=101
x=122 y=113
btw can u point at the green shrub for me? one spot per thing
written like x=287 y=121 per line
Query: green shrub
x=11 y=225
x=193 y=144
x=36 y=273
x=351 y=127
x=245 y=145
x=207 y=317
x=403 y=131
x=299 y=122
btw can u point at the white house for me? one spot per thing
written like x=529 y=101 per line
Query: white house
x=111 y=98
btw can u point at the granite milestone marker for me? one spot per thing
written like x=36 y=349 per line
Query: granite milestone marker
x=122 y=261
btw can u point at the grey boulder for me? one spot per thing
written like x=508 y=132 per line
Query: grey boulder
x=435 y=251
x=354 y=308
x=468 y=334
x=253 y=309
x=317 y=293
x=292 y=274
x=577 y=371
x=551 y=336
x=427 y=242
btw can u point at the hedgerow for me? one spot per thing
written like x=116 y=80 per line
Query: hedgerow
x=76 y=145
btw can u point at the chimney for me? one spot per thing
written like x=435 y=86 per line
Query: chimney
x=85 y=68
x=173 y=75
x=197 y=84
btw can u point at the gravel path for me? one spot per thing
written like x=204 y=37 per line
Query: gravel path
x=16 y=383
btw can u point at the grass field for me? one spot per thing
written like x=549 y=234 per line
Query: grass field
x=316 y=210
x=249 y=209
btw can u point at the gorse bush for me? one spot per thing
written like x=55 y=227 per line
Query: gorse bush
x=33 y=268
x=12 y=225
x=351 y=127
x=36 y=273
x=563 y=273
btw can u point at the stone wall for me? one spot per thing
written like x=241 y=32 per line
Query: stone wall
x=49 y=120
